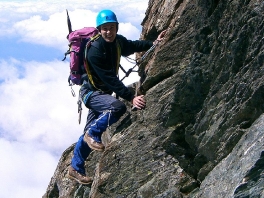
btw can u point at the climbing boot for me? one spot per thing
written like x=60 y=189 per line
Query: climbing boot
x=98 y=146
x=82 y=179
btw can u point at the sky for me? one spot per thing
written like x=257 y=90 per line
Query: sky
x=38 y=114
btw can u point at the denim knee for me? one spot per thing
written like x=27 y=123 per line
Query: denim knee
x=119 y=108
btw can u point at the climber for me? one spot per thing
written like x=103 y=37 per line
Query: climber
x=104 y=109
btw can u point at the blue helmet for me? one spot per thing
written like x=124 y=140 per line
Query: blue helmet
x=105 y=16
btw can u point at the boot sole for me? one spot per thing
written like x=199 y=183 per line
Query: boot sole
x=91 y=146
x=94 y=148
x=71 y=177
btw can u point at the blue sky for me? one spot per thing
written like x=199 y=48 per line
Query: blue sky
x=38 y=117
x=27 y=51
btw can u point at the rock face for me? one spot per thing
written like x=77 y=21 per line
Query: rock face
x=202 y=132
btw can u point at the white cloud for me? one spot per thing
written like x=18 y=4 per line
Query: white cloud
x=36 y=102
x=38 y=117
x=45 y=22
x=24 y=170
x=129 y=30
x=53 y=32
x=38 y=121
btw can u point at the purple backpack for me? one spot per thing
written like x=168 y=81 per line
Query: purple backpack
x=78 y=41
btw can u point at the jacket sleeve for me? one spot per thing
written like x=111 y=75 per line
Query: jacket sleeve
x=107 y=75
x=129 y=47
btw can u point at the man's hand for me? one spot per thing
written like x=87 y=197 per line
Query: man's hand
x=160 y=37
x=139 y=102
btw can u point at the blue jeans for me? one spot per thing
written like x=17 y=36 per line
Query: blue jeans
x=104 y=110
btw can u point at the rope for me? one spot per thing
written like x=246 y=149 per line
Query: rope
x=131 y=60
x=147 y=52
x=137 y=63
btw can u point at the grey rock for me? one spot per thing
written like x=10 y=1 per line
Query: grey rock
x=201 y=134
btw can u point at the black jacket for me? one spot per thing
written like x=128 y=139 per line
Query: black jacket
x=102 y=61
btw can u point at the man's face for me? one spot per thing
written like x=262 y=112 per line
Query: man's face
x=108 y=31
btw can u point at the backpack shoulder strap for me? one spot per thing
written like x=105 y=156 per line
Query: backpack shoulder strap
x=93 y=42
x=118 y=48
